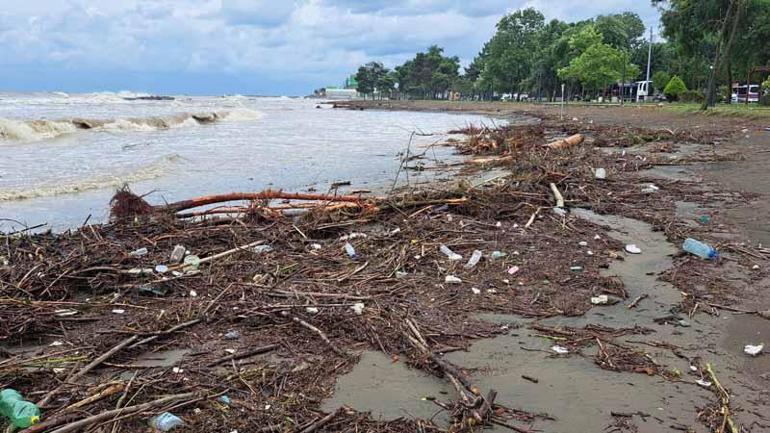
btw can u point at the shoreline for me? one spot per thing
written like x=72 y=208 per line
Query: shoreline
x=303 y=300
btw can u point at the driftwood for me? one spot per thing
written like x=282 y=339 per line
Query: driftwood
x=572 y=140
x=264 y=195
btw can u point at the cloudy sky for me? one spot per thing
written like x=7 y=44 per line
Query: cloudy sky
x=271 y=47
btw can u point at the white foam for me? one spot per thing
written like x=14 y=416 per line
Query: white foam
x=34 y=130
x=241 y=115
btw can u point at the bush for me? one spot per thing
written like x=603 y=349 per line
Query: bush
x=674 y=88
x=692 y=96
x=660 y=79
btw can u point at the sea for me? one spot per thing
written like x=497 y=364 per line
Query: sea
x=63 y=156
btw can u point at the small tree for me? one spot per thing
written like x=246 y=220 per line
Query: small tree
x=660 y=79
x=674 y=88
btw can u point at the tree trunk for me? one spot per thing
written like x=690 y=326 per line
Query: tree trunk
x=730 y=19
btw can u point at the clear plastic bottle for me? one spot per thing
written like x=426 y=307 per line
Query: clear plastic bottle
x=699 y=249
x=20 y=412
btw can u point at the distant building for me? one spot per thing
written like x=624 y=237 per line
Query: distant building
x=351 y=82
x=332 y=93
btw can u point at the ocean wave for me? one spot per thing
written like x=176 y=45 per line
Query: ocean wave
x=37 y=130
x=154 y=170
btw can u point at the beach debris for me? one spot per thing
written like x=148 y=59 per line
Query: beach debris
x=474 y=260
x=150 y=289
x=20 y=412
x=165 y=422
x=559 y=211
x=561 y=350
x=576 y=268
x=358 y=308
x=118 y=311
x=475 y=291
x=232 y=335
x=650 y=189
x=191 y=263
x=350 y=250
x=351 y=236
x=600 y=173
x=600 y=300
x=316 y=246
x=704 y=383
x=451 y=279
x=66 y=312
x=193 y=294
x=755 y=267
x=583 y=243
x=451 y=255
x=177 y=254
x=633 y=249
x=753 y=350
x=704 y=219
x=161 y=269
x=139 y=253
x=56 y=343
x=557 y=195
x=311 y=310
x=700 y=249
x=497 y=255
x=513 y=270
x=572 y=140
x=262 y=249
x=177 y=370
x=401 y=274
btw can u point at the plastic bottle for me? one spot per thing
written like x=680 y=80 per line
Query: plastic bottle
x=350 y=250
x=166 y=421
x=20 y=412
x=451 y=255
x=474 y=260
x=699 y=249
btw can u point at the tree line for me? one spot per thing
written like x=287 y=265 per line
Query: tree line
x=708 y=45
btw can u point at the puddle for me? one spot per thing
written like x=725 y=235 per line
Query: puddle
x=670 y=172
x=574 y=390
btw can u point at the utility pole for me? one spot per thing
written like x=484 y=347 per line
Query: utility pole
x=647 y=86
x=623 y=84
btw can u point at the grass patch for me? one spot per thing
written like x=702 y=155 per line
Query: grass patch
x=752 y=111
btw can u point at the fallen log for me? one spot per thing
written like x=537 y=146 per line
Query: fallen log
x=572 y=140
x=263 y=195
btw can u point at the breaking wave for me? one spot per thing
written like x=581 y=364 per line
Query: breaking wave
x=37 y=130
x=154 y=170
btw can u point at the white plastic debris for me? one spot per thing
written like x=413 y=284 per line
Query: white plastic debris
x=451 y=255
x=475 y=291
x=230 y=351
x=492 y=291
x=66 y=312
x=497 y=255
x=193 y=293
x=650 y=189
x=316 y=246
x=474 y=260
x=262 y=249
x=56 y=343
x=312 y=310
x=395 y=231
x=590 y=253
x=401 y=274
x=352 y=236
x=138 y=253
x=358 y=308
x=561 y=350
x=513 y=270
x=177 y=370
x=192 y=262
x=161 y=269
x=177 y=254
x=633 y=249
x=451 y=279
x=350 y=250
x=703 y=383
x=693 y=368
x=753 y=350
x=118 y=311
x=583 y=243
x=600 y=173
x=600 y=300
x=755 y=267
x=597 y=237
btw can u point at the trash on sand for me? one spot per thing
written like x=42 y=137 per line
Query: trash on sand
x=56 y=343
x=474 y=260
x=138 y=253
x=401 y=274
x=260 y=249
x=177 y=370
x=451 y=279
x=224 y=399
x=192 y=262
x=576 y=268
x=583 y=243
x=350 y=250
x=561 y=350
x=497 y=255
x=312 y=310
x=513 y=269
x=699 y=249
x=66 y=312
x=752 y=350
x=559 y=211
x=683 y=323
x=704 y=219
x=193 y=294
x=140 y=271
x=475 y=291
x=232 y=335
x=358 y=308
x=650 y=189
x=177 y=254
x=755 y=267
x=704 y=383
x=166 y=421
x=352 y=236
x=451 y=255
x=600 y=173
x=316 y=246
x=600 y=300
x=118 y=311
x=633 y=249
x=161 y=269
x=21 y=413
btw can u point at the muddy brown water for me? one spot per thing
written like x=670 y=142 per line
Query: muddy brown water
x=572 y=389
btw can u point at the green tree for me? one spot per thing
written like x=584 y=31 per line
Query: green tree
x=598 y=67
x=674 y=89
x=369 y=76
x=622 y=31
x=660 y=79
